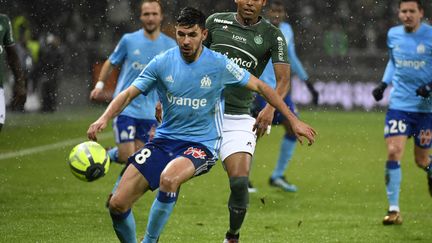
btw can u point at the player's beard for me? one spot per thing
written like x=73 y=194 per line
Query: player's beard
x=150 y=28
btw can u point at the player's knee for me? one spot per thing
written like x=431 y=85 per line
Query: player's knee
x=239 y=197
x=118 y=206
x=395 y=151
x=169 y=183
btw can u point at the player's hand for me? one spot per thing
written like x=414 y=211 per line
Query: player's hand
x=301 y=129
x=95 y=128
x=378 y=92
x=95 y=93
x=313 y=91
x=158 y=112
x=263 y=121
x=424 y=90
x=19 y=98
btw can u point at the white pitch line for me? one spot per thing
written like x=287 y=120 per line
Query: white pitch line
x=46 y=147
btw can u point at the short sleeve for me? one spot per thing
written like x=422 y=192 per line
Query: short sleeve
x=120 y=52
x=8 y=37
x=279 y=50
x=148 y=77
x=232 y=74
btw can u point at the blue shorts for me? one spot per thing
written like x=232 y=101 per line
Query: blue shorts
x=127 y=129
x=410 y=124
x=155 y=156
x=260 y=103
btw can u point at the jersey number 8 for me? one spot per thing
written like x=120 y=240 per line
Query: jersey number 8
x=142 y=156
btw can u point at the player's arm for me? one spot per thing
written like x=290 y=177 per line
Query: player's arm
x=299 y=128
x=113 y=109
x=104 y=74
x=378 y=91
x=265 y=117
x=19 y=90
x=298 y=69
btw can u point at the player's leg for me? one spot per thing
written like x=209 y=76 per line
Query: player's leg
x=237 y=166
x=131 y=187
x=192 y=161
x=238 y=146
x=177 y=171
x=423 y=143
x=286 y=152
x=393 y=177
x=2 y=108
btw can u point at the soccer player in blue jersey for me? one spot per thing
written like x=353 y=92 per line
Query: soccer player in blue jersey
x=133 y=52
x=189 y=80
x=410 y=109
x=136 y=123
x=276 y=15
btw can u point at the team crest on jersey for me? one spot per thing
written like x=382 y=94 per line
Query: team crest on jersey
x=421 y=49
x=206 y=82
x=196 y=153
x=169 y=79
x=137 y=52
x=258 y=40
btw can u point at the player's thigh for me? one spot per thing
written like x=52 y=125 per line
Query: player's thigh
x=131 y=187
x=176 y=173
x=422 y=138
x=396 y=147
x=125 y=150
x=2 y=108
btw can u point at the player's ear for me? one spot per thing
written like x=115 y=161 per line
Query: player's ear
x=264 y=2
x=204 y=34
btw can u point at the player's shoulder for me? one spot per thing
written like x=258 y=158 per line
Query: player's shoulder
x=168 y=54
x=428 y=28
x=267 y=27
x=396 y=30
x=221 y=18
x=4 y=18
x=214 y=55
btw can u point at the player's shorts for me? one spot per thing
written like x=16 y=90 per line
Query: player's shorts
x=260 y=103
x=152 y=159
x=2 y=107
x=410 y=124
x=127 y=129
x=237 y=135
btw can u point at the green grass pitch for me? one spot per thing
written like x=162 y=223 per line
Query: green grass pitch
x=341 y=194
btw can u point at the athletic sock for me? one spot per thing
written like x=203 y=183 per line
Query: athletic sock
x=160 y=211
x=393 y=181
x=113 y=154
x=285 y=154
x=428 y=169
x=124 y=226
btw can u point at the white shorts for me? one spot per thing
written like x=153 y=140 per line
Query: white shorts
x=2 y=106
x=237 y=135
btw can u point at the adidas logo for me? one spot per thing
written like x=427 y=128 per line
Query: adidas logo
x=169 y=79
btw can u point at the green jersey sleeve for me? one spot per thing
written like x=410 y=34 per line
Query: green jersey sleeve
x=279 y=49
x=7 y=28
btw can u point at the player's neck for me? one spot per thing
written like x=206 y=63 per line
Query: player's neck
x=192 y=59
x=412 y=30
x=152 y=35
x=246 y=22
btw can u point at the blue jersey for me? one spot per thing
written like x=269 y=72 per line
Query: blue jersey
x=409 y=67
x=134 y=52
x=268 y=75
x=191 y=94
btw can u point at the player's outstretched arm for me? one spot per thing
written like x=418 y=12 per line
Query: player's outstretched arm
x=265 y=117
x=113 y=109
x=299 y=128
x=106 y=70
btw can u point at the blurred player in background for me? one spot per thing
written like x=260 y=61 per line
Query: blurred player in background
x=190 y=80
x=276 y=15
x=410 y=109
x=7 y=45
x=250 y=41
x=136 y=123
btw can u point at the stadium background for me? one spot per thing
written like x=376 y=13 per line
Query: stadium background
x=341 y=43
x=341 y=195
